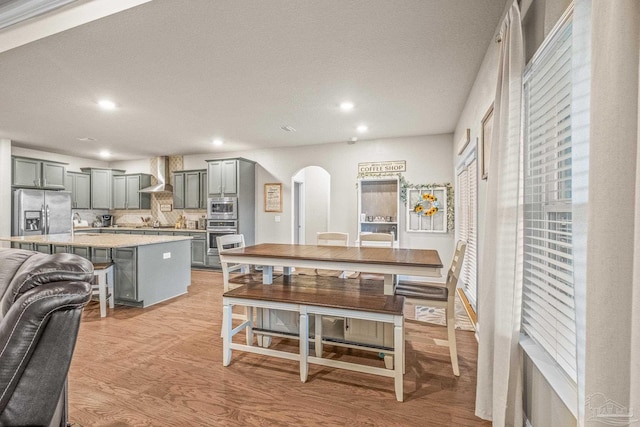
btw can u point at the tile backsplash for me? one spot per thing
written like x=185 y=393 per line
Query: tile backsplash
x=135 y=218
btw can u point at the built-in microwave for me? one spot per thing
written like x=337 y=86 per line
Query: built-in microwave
x=222 y=208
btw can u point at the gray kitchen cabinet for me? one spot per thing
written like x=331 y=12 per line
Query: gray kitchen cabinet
x=25 y=246
x=178 y=190
x=126 y=191
x=82 y=251
x=203 y=189
x=126 y=275
x=101 y=254
x=101 y=186
x=198 y=247
x=190 y=189
x=59 y=249
x=45 y=248
x=79 y=184
x=35 y=173
x=199 y=251
x=222 y=177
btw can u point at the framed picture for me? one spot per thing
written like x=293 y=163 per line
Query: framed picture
x=485 y=141
x=273 y=197
x=464 y=141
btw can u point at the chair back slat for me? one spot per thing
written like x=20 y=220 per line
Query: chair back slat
x=456 y=266
x=332 y=238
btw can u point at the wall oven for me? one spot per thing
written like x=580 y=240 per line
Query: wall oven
x=217 y=228
x=222 y=208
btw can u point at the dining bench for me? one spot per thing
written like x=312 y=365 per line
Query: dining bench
x=309 y=296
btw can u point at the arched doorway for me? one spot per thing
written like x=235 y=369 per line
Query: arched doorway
x=311 y=188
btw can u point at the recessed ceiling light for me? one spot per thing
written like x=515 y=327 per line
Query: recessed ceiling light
x=104 y=154
x=107 y=104
x=362 y=128
x=87 y=139
x=217 y=142
x=346 y=106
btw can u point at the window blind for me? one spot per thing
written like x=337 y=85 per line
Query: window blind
x=548 y=310
x=466 y=224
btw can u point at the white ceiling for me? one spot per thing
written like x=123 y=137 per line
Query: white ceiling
x=184 y=72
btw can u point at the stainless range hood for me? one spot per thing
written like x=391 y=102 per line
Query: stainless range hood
x=161 y=172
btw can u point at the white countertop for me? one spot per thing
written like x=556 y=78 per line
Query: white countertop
x=97 y=240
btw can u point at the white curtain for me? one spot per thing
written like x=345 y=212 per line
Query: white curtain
x=499 y=386
x=612 y=356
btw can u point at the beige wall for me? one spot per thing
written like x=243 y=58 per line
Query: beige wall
x=428 y=161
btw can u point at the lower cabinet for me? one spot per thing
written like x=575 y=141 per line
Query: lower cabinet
x=199 y=251
x=45 y=248
x=346 y=330
x=25 y=246
x=126 y=260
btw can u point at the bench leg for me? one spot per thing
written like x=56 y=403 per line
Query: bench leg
x=398 y=346
x=112 y=296
x=102 y=292
x=318 y=334
x=226 y=334
x=249 y=329
x=304 y=344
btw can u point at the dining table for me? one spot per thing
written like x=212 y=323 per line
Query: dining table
x=389 y=262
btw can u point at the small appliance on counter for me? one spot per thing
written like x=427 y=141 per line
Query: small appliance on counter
x=106 y=220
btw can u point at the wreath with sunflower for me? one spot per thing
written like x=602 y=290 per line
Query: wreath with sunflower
x=428 y=206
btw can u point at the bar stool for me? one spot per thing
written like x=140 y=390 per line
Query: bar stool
x=103 y=285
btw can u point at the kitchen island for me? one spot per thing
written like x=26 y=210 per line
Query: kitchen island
x=148 y=269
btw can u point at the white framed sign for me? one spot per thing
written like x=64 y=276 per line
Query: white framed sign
x=382 y=167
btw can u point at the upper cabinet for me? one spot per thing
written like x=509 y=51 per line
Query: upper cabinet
x=190 y=189
x=222 y=177
x=101 y=186
x=79 y=183
x=126 y=191
x=34 y=173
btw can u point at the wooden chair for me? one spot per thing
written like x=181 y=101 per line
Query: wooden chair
x=373 y=239
x=230 y=241
x=330 y=238
x=225 y=242
x=102 y=286
x=440 y=295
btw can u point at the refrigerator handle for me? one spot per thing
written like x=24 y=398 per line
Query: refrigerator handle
x=48 y=214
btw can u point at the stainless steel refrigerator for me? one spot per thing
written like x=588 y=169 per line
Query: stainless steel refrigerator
x=41 y=212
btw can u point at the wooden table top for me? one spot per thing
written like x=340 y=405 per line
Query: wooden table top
x=362 y=255
x=350 y=294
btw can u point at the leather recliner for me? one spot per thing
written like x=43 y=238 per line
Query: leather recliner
x=41 y=302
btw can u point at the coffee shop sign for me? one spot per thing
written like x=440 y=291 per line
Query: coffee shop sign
x=382 y=167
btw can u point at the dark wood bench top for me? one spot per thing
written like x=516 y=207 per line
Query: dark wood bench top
x=351 y=294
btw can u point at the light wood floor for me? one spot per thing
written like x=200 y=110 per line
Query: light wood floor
x=162 y=366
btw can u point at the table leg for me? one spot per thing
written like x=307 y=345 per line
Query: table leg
x=249 y=328
x=398 y=347
x=389 y=284
x=318 y=334
x=226 y=333
x=287 y=271
x=267 y=274
x=304 y=343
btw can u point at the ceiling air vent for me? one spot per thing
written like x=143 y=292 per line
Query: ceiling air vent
x=287 y=128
